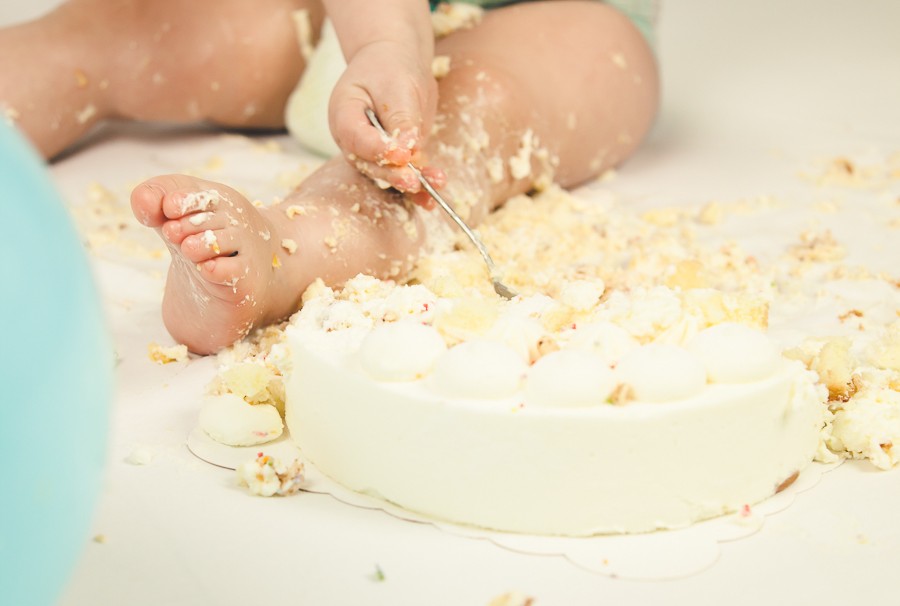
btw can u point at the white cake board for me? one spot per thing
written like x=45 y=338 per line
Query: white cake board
x=660 y=555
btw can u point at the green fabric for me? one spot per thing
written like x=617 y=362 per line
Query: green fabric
x=482 y=3
x=641 y=12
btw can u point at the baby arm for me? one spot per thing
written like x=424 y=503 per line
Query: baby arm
x=389 y=50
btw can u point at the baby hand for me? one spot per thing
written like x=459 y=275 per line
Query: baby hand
x=389 y=79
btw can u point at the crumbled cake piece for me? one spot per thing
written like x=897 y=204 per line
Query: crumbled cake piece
x=686 y=275
x=167 y=355
x=835 y=365
x=842 y=171
x=469 y=317
x=267 y=476
x=253 y=380
x=711 y=214
x=817 y=247
x=513 y=598
x=885 y=352
x=304 y=30
x=451 y=16
x=139 y=456
x=10 y=113
x=665 y=217
x=86 y=114
x=520 y=164
x=440 y=66
x=495 y=169
x=295 y=209
x=868 y=426
x=716 y=307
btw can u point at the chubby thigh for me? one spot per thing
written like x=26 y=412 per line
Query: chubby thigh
x=579 y=74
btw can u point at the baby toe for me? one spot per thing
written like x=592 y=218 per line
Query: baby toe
x=177 y=230
x=209 y=244
x=225 y=271
x=181 y=203
x=146 y=204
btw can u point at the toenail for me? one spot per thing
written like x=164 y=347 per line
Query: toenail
x=156 y=189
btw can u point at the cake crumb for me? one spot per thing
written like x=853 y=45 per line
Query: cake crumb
x=166 y=355
x=512 y=598
x=440 y=66
x=835 y=364
x=267 y=476
x=139 y=457
x=520 y=164
x=294 y=210
x=86 y=114
x=851 y=313
x=663 y=217
x=711 y=214
x=868 y=425
x=9 y=113
x=289 y=245
x=495 y=169
x=304 y=30
x=621 y=395
x=817 y=247
x=449 y=17
x=885 y=352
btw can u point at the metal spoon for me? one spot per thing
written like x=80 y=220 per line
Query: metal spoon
x=499 y=287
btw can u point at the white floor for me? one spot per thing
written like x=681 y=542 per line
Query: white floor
x=755 y=92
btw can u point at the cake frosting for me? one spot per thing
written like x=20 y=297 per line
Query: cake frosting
x=643 y=336
x=228 y=419
x=503 y=415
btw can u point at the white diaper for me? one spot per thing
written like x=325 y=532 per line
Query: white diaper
x=306 y=114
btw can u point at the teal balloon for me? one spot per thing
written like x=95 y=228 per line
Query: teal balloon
x=56 y=376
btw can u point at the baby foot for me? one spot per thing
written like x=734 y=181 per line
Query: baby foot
x=224 y=279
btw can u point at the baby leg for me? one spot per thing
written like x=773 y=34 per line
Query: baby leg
x=230 y=62
x=518 y=108
x=540 y=91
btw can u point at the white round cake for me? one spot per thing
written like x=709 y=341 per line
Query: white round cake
x=513 y=420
